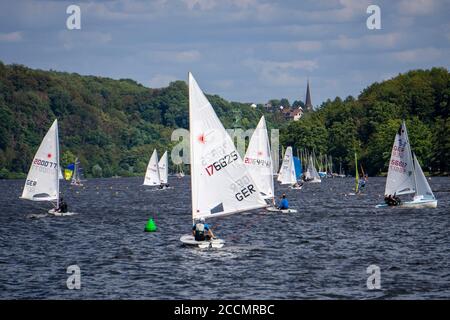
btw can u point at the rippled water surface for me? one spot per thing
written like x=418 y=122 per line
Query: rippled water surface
x=322 y=252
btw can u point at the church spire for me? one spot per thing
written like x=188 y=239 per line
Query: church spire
x=308 y=104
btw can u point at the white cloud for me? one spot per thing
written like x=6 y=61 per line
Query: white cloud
x=308 y=46
x=161 y=80
x=11 y=37
x=281 y=73
x=211 y=4
x=172 y=55
x=224 y=84
x=417 y=55
x=373 y=41
x=80 y=38
x=417 y=7
x=187 y=56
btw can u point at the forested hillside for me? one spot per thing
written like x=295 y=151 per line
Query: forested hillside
x=113 y=125
x=368 y=124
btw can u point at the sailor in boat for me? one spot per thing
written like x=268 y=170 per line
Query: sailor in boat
x=62 y=208
x=202 y=231
x=392 y=200
x=297 y=185
x=284 y=203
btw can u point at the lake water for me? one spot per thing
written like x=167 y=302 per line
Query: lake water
x=321 y=252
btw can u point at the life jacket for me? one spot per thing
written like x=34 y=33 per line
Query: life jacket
x=200 y=231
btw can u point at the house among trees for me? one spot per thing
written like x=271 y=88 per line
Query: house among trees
x=290 y=112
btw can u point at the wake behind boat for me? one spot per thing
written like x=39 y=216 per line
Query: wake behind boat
x=405 y=176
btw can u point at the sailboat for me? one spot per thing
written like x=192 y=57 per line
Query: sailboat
x=220 y=182
x=152 y=177
x=287 y=176
x=405 y=176
x=311 y=174
x=42 y=183
x=280 y=172
x=77 y=174
x=298 y=172
x=180 y=173
x=163 y=167
x=258 y=161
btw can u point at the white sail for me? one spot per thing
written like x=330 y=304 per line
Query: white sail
x=281 y=170
x=423 y=189
x=163 y=166
x=400 y=178
x=60 y=175
x=288 y=174
x=220 y=182
x=152 y=175
x=76 y=176
x=42 y=182
x=311 y=172
x=258 y=160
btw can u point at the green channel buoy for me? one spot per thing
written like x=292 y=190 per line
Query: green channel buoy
x=151 y=226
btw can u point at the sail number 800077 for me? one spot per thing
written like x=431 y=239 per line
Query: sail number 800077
x=221 y=163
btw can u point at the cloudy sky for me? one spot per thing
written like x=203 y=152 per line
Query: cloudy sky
x=243 y=50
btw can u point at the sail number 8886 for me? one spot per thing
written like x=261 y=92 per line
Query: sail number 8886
x=221 y=163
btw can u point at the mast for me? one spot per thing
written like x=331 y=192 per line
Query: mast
x=191 y=149
x=57 y=154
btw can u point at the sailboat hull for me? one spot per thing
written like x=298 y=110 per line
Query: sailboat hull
x=416 y=204
x=273 y=209
x=55 y=213
x=189 y=240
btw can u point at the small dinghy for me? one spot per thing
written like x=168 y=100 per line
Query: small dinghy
x=405 y=176
x=189 y=240
x=274 y=209
x=220 y=182
x=42 y=183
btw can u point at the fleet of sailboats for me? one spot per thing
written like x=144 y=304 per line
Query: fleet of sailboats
x=224 y=184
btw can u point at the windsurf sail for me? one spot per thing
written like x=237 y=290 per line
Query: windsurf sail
x=68 y=171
